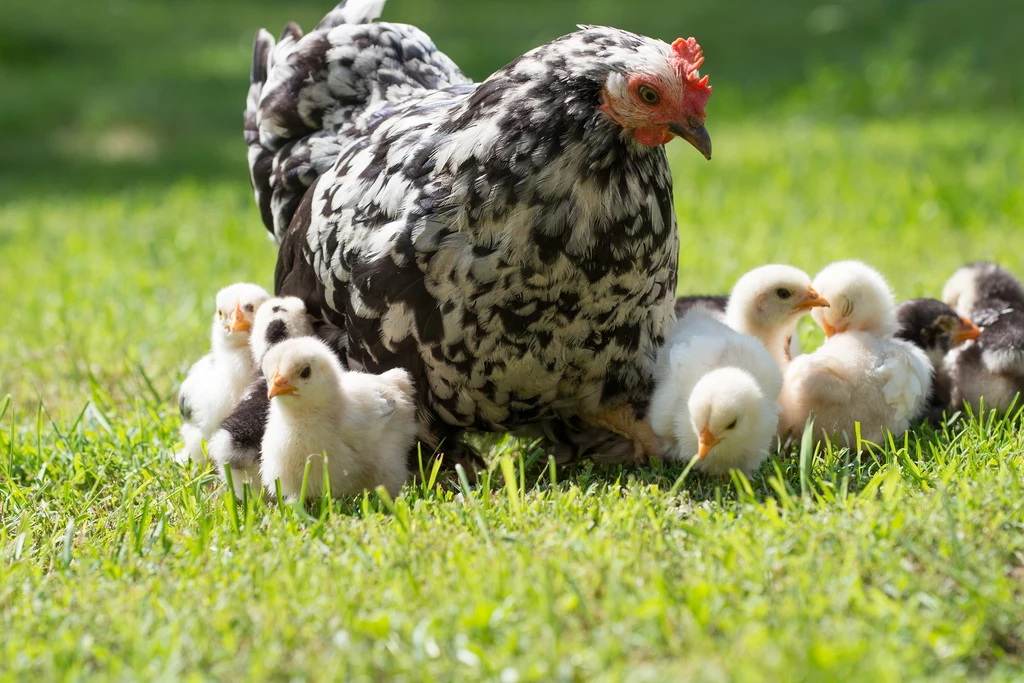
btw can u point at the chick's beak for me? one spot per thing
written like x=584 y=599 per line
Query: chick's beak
x=705 y=442
x=812 y=300
x=830 y=331
x=967 y=332
x=279 y=386
x=237 y=322
x=695 y=135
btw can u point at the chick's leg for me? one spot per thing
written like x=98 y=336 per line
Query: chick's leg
x=624 y=422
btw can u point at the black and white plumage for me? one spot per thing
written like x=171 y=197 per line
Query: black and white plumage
x=935 y=328
x=364 y=424
x=237 y=442
x=716 y=395
x=992 y=366
x=217 y=380
x=861 y=373
x=512 y=244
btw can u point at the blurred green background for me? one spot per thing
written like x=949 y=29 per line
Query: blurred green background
x=103 y=94
x=889 y=131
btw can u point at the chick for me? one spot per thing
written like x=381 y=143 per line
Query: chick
x=979 y=285
x=991 y=366
x=216 y=381
x=237 y=442
x=935 y=328
x=861 y=374
x=365 y=424
x=715 y=397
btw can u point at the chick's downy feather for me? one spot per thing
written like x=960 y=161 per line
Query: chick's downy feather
x=363 y=424
x=237 y=442
x=856 y=377
x=701 y=349
x=862 y=374
x=216 y=382
x=988 y=371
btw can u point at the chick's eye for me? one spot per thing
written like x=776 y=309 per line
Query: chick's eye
x=306 y=371
x=648 y=94
x=732 y=425
x=249 y=308
x=783 y=293
x=220 y=314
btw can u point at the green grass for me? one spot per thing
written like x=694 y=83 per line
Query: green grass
x=118 y=563
x=840 y=131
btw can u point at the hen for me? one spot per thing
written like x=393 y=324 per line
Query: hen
x=511 y=244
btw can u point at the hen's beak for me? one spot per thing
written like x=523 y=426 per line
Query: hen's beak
x=695 y=135
x=705 y=442
x=812 y=300
x=279 y=386
x=968 y=332
x=237 y=322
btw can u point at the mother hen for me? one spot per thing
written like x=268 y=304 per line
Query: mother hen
x=512 y=244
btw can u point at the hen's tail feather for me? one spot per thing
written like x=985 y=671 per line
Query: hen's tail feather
x=352 y=12
x=308 y=92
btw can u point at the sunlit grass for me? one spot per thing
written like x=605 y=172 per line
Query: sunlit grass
x=906 y=563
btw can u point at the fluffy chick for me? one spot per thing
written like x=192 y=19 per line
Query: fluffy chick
x=935 y=328
x=216 y=381
x=237 y=442
x=768 y=302
x=715 y=397
x=991 y=366
x=861 y=374
x=365 y=424
x=977 y=285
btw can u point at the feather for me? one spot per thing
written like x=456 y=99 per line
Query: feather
x=505 y=243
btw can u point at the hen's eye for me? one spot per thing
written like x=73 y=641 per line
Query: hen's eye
x=648 y=94
x=783 y=293
x=732 y=425
x=305 y=372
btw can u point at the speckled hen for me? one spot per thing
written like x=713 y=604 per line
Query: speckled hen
x=512 y=244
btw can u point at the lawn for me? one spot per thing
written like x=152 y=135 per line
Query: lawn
x=118 y=564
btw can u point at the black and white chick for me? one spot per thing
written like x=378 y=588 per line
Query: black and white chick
x=716 y=396
x=992 y=366
x=861 y=373
x=237 y=442
x=766 y=303
x=217 y=381
x=935 y=328
x=364 y=424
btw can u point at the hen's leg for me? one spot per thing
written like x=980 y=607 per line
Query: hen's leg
x=624 y=422
x=576 y=439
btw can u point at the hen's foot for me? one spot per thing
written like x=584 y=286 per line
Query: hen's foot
x=624 y=422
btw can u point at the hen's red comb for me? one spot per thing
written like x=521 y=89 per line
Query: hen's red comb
x=687 y=56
